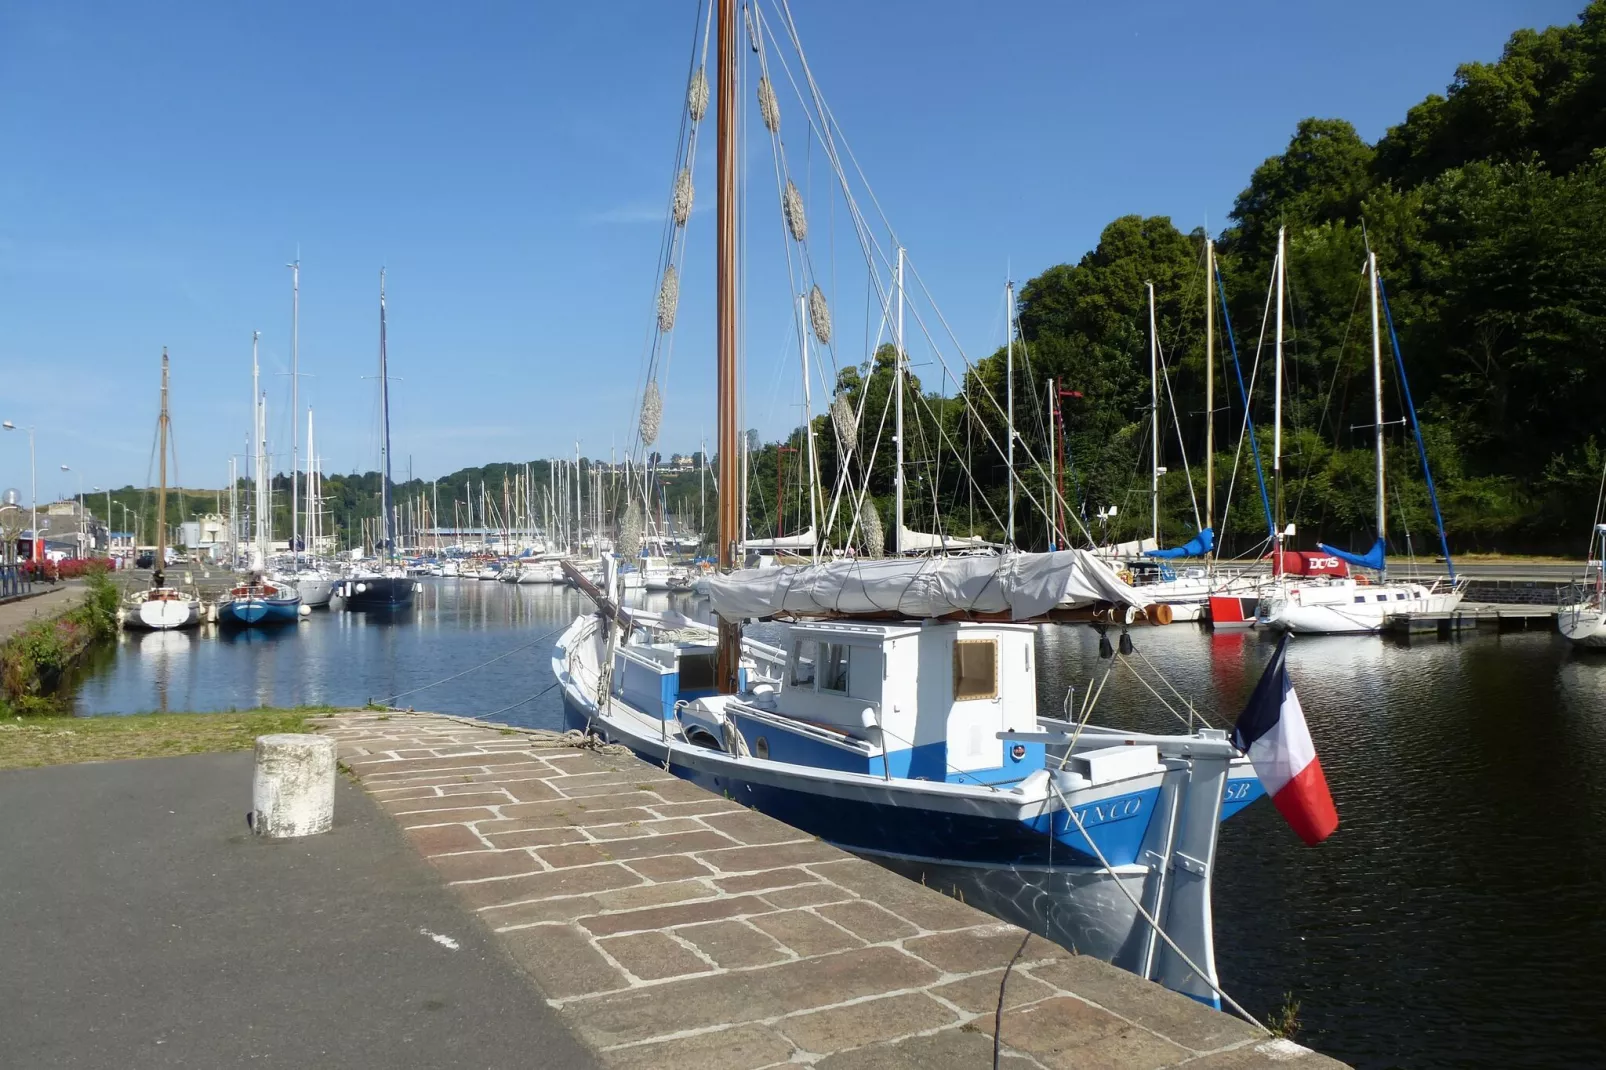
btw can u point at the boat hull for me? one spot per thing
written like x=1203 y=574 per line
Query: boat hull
x=378 y=593
x=163 y=614
x=1583 y=626
x=247 y=612
x=1351 y=609
x=315 y=591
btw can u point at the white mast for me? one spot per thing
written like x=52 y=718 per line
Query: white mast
x=295 y=405
x=1210 y=386
x=312 y=534
x=1154 y=422
x=1053 y=475
x=897 y=435
x=1277 y=405
x=264 y=486
x=1377 y=393
x=808 y=420
x=579 y=509
x=258 y=559
x=1009 y=404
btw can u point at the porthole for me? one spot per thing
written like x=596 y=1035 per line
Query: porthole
x=1018 y=751
x=761 y=747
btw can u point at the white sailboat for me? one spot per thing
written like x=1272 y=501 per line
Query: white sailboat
x=1582 y=615
x=1331 y=604
x=162 y=608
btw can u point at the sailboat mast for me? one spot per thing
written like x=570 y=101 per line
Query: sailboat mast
x=897 y=436
x=1277 y=405
x=312 y=533
x=1009 y=394
x=1154 y=421
x=579 y=506
x=1053 y=474
x=384 y=430
x=161 y=494
x=1210 y=386
x=729 y=650
x=808 y=422
x=295 y=405
x=1377 y=394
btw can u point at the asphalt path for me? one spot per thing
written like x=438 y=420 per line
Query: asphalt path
x=142 y=925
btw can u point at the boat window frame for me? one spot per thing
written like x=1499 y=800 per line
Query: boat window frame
x=797 y=662
x=963 y=694
x=833 y=656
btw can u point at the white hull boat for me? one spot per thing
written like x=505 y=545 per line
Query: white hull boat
x=1349 y=606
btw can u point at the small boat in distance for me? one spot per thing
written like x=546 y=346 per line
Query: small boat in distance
x=1582 y=613
x=387 y=587
x=162 y=608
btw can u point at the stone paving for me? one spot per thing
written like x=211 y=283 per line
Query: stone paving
x=673 y=928
x=19 y=613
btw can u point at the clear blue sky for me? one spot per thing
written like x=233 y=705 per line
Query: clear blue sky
x=506 y=161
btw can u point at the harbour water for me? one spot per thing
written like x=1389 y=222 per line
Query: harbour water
x=1454 y=920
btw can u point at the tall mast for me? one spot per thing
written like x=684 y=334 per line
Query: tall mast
x=808 y=420
x=1277 y=406
x=295 y=405
x=1053 y=474
x=1377 y=393
x=384 y=440
x=579 y=507
x=1009 y=403
x=161 y=494
x=312 y=499
x=730 y=637
x=897 y=435
x=257 y=436
x=1210 y=385
x=1154 y=421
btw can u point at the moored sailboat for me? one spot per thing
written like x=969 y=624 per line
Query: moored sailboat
x=259 y=600
x=162 y=608
x=387 y=586
x=898 y=717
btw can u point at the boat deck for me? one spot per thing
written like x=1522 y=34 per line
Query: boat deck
x=674 y=928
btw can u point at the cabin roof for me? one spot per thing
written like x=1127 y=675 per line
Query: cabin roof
x=879 y=632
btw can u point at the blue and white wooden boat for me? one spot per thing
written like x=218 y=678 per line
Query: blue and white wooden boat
x=918 y=741
x=259 y=601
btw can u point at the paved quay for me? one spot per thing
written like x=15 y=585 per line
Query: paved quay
x=142 y=925
x=671 y=928
x=16 y=614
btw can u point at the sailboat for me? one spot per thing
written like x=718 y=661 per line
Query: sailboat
x=1581 y=614
x=162 y=608
x=387 y=587
x=1329 y=602
x=896 y=713
x=259 y=600
x=313 y=585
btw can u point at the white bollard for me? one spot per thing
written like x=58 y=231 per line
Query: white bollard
x=293 y=791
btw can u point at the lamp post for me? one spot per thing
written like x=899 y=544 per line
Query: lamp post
x=33 y=473
x=79 y=541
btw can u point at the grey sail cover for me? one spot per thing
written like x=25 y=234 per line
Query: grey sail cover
x=1022 y=585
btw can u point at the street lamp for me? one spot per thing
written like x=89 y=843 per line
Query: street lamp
x=80 y=533
x=33 y=471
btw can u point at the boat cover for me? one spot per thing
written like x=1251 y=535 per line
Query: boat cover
x=1197 y=546
x=919 y=541
x=1022 y=585
x=803 y=540
x=1372 y=558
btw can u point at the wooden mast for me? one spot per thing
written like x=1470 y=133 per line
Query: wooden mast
x=730 y=636
x=161 y=493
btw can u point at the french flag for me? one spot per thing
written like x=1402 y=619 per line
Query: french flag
x=1272 y=731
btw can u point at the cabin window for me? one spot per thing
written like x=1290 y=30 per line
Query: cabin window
x=1360 y=598
x=1382 y=598
x=805 y=652
x=834 y=668
x=975 y=669
x=1400 y=597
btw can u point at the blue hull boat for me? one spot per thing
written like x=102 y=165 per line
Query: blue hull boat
x=259 y=604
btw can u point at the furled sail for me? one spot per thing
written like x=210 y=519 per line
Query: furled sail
x=912 y=542
x=1372 y=558
x=1197 y=546
x=1022 y=585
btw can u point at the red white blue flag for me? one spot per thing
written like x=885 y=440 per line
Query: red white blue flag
x=1272 y=731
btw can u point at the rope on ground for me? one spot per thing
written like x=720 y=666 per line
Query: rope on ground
x=534 y=642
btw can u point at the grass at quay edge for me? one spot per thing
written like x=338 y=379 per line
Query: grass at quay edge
x=30 y=742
